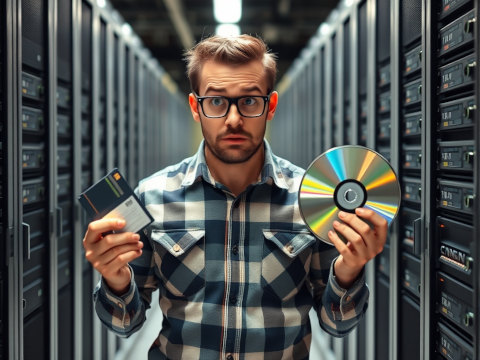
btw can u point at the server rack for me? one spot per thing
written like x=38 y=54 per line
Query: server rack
x=5 y=208
x=414 y=95
x=62 y=92
x=452 y=176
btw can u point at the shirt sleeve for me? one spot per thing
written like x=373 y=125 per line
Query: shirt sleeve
x=339 y=310
x=125 y=314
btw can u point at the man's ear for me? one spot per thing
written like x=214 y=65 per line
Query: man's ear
x=192 y=101
x=272 y=105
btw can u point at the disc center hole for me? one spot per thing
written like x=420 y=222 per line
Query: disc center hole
x=350 y=195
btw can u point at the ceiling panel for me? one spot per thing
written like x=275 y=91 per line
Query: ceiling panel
x=286 y=26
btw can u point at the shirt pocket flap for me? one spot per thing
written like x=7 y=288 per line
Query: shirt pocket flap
x=291 y=243
x=177 y=242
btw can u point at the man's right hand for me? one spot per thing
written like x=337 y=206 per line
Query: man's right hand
x=110 y=254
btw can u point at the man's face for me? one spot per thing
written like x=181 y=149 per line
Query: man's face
x=233 y=139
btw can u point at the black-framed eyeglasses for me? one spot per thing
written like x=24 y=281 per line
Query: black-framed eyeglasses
x=250 y=106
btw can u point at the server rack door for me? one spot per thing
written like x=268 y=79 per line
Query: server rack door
x=78 y=226
x=86 y=166
x=4 y=208
x=340 y=62
x=347 y=81
x=142 y=83
x=362 y=43
x=110 y=67
x=65 y=176
x=134 y=124
x=131 y=128
x=409 y=344
x=382 y=145
x=113 y=96
x=128 y=110
x=327 y=70
x=317 y=101
x=381 y=319
x=98 y=146
x=103 y=70
x=36 y=146
x=334 y=61
x=122 y=104
x=12 y=133
x=476 y=174
x=408 y=83
x=309 y=101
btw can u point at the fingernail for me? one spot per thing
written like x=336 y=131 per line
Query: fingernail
x=135 y=237
x=342 y=215
x=336 y=223
x=360 y=211
x=121 y=222
x=330 y=233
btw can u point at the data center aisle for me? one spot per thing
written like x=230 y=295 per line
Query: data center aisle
x=80 y=94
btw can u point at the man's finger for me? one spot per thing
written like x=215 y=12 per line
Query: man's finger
x=341 y=247
x=112 y=240
x=371 y=216
x=99 y=227
x=117 y=251
x=123 y=259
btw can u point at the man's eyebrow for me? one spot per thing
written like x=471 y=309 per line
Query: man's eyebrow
x=252 y=88
x=215 y=89
x=222 y=89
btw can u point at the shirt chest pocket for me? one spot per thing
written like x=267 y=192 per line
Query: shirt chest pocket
x=286 y=262
x=180 y=259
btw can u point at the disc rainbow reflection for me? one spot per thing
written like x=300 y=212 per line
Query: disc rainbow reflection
x=317 y=202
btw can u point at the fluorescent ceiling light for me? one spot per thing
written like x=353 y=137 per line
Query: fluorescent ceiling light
x=126 y=29
x=227 y=30
x=101 y=3
x=227 y=11
x=324 y=29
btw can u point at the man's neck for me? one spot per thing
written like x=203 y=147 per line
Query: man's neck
x=236 y=177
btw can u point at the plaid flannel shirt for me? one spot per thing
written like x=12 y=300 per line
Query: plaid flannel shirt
x=237 y=275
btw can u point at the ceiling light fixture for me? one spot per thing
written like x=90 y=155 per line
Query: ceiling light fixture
x=227 y=11
x=227 y=30
x=126 y=29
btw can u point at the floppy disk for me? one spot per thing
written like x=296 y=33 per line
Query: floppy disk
x=112 y=197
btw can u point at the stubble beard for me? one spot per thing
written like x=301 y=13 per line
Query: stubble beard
x=232 y=158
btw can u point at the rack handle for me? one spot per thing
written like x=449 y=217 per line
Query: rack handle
x=417 y=236
x=26 y=237
x=59 y=221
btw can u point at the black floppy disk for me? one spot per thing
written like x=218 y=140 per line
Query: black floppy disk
x=112 y=197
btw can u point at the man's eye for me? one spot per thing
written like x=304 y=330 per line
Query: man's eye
x=249 y=101
x=217 y=101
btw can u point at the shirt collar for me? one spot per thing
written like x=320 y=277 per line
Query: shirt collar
x=198 y=169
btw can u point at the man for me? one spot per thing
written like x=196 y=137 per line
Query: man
x=237 y=269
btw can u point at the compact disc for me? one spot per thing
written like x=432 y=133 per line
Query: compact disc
x=343 y=179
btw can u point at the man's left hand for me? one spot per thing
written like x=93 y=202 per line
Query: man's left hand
x=364 y=242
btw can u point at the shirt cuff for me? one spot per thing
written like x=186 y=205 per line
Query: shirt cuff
x=120 y=300
x=357 y=284
x=347 y=303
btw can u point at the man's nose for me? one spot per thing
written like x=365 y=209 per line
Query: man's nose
x=234 y=119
